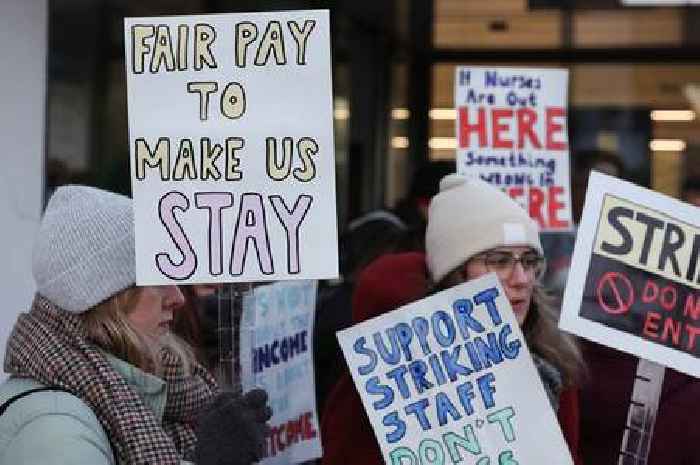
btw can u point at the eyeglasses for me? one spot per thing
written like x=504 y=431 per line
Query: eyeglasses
x=503 y=263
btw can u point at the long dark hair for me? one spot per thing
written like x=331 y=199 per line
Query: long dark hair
x=544 y=337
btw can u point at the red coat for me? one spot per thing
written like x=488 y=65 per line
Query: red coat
x=388 y=283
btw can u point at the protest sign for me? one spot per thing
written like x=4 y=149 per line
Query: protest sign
x=512 y=132
x=634 y=281
x=278 y=327
x=449 y=379
x=231 y=147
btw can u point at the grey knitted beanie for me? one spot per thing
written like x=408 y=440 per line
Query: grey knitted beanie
x=84 y=252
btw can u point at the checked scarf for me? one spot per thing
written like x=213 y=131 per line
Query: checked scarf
x=50 y=345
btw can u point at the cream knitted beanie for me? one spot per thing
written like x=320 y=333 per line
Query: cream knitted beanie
x=469 y=216
x=84 y=252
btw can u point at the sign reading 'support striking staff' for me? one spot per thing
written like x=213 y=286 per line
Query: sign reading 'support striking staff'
x=635 y=280
x=449 y=380
x=231 y=146
x=512 y=132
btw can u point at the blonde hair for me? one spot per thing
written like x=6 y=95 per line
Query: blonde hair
x=541 y=333
x=109 y=328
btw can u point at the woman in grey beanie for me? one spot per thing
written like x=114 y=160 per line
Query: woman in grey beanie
x=97 y=375
x=474 y=228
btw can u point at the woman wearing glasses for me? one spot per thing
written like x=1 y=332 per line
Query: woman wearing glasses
x=473 y=229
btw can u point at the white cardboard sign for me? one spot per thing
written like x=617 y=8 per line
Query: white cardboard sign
x=511 y=130
x=278 y=327
x=231 y=147
x=634 y=281
x=449 y=379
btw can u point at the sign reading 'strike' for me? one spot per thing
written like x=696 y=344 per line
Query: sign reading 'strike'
x=231 y=145
x=635 y=280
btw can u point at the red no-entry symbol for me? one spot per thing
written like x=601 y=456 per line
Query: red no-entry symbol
x=615 y=293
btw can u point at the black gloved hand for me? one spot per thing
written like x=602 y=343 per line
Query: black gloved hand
x=233 y=430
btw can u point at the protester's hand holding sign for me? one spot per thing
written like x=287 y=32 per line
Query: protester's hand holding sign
x=232 y=164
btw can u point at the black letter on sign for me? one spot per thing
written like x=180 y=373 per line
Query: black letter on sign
x=668 y=250
x=614 y=219
x=652 y=224
x=690 y=274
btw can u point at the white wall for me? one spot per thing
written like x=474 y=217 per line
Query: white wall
x=23 y=79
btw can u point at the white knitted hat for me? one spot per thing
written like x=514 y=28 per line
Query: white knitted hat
x=469 y=216
x=84 y=252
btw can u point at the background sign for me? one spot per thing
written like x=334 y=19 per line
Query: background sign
x=278 y=326
x=449 y=379
x=512 y=132
x=634 y=277
x=231 y=144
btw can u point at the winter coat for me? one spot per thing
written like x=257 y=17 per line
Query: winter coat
x=59 y=428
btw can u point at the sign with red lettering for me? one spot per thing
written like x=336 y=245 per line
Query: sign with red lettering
x=278 y=324
x=512 y=132
x=634 y=283
x=231 y=147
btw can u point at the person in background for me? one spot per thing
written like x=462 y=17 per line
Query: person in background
x=559 y=246
x=691 y=191
x=412 y=210
x=387 y=283
x=585 y=161
x=97 y=376
x=197 y=322
x=491 y=233
x=367 y=237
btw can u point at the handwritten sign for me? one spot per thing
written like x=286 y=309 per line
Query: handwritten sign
x=634 y=282
x=278 y=326
x=231 y=147
x=512 y=132
x=449 y=379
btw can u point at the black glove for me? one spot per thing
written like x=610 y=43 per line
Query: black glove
x=233 y=430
